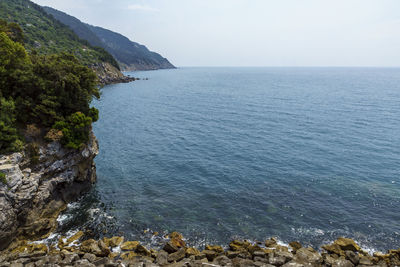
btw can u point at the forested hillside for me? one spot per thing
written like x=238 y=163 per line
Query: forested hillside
x=47 y=35
x=130 y=55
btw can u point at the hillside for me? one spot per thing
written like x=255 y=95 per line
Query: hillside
x=130 y=55
x=46 y=35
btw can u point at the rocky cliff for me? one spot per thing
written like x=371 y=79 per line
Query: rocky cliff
x=108 y=74
x=38 y=184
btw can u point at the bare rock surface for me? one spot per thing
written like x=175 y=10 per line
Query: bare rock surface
x=36 y=191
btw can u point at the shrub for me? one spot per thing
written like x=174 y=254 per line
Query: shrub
x=3 y=178
x=75 y=130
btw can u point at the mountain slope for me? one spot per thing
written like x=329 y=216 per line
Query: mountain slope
x=130 y=55
x=46 y=35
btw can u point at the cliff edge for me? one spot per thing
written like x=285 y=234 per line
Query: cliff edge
x=38 y=184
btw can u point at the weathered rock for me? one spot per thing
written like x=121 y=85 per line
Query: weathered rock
x=177 y=256
x=91 y=246
x=31 y=201
x=333 y=248
x=75 y=237
x=114 y=241
x=210 y=254
x=69 y=259
x=237 y=245
x=89 y=257
x=143 y=251
x=304 y=255
x=276 y=259
x=271 y=242
x=293 y=264
x=295 y=245
x=129 y=255
x=352 y=256
x=347 y=244
x=222 y=260
x=192 y=252
x=130 y=245
x=162 y=257
x=170 y=247
x=342 y=263
x=217 y=249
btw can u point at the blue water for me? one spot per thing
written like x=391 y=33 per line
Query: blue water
x=307 y=154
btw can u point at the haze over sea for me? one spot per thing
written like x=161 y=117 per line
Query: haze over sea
x=307 y=154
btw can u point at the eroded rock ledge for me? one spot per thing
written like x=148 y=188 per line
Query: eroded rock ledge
x=115 y=251
x=38 y=185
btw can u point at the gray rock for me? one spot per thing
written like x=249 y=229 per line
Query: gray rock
x=222 y=261
x=304 y=255
x=293 y=264
x=162 y=257
x=90 y=257
x=38 y=194
x=68 y=259
x=84 y=263
x=276 y=260
x=353 y=257
x=342 y=263
x=177 y=256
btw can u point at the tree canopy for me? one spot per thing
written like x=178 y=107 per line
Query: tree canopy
x=46 y=90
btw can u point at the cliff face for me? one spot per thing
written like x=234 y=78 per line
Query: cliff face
x=38 y=188
x=108 y=74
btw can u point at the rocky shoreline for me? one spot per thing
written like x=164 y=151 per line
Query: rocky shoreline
x=115 y=251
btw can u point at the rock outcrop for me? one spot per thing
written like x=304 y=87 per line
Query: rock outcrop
x=39 y=183
x=108 y=74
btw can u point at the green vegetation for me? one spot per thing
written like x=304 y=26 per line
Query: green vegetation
x=46 y=90
x=47 y=35
x=3 y=178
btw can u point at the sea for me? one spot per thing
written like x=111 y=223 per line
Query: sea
x=300 y=154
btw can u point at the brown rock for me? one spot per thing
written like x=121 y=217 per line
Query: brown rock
x=177 y=256
x=170 y=247
x=352 y=256
x=271 y=242
x=114 y=241
x=129 y=255
x=347 y=244
x=91 y=246
x=74 y=237
x=162 y=257
x=295 y=245
x=130 y=245
x=217 y=249
x=333 y=248
x=140 y=249
x=192 y=252
x=210 y=254
x=304 y=255
x=237 y=245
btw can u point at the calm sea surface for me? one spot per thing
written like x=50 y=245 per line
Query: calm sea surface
x=307 y=154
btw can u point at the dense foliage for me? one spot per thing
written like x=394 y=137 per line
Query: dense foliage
x=46 y=35
x=46 y=90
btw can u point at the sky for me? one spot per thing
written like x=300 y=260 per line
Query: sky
x=252 y=32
